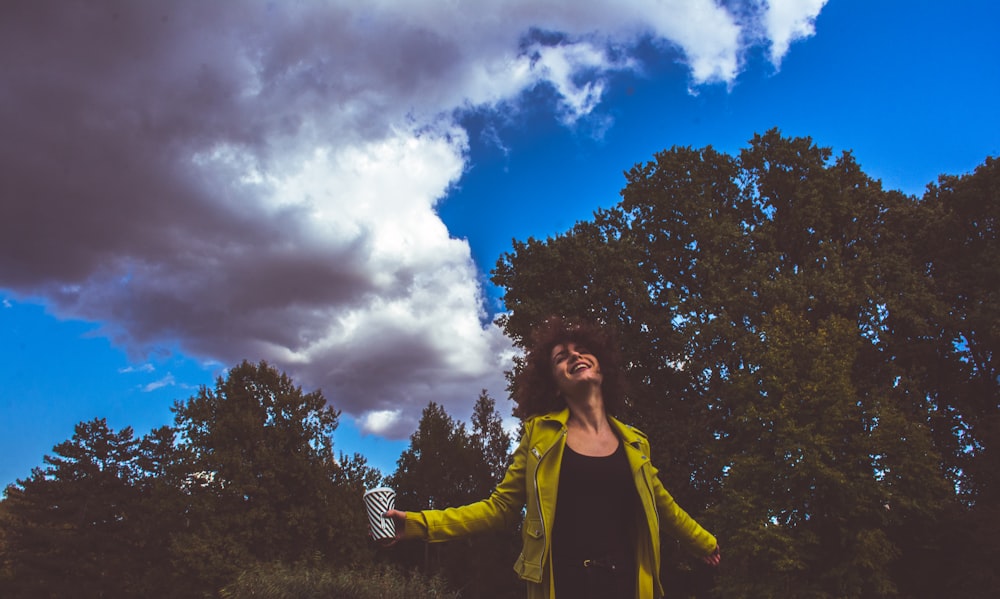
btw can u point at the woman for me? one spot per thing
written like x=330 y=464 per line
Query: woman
x=595 y=506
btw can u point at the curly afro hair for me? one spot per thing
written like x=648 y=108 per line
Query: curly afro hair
x=534 y=389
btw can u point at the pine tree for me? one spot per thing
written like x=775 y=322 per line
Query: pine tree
x=70 y=529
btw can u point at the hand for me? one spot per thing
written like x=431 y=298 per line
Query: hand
x=399 y=519
x=713 y=559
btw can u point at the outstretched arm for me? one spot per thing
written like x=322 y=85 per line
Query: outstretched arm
x=502 y=508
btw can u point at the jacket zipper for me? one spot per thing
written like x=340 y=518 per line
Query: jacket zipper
x=538 y=494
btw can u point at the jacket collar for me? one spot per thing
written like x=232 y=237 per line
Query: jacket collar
x=546 y=431
x=632 y=439
x=554 y=427
x=628 y=434
x=561 y=417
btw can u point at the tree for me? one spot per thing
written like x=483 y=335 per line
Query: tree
x=491 y=441
x=70 y=529
x=438 y=470
x=943 y=332
x=246 y=480
x=961 y=253
x=445 y=466
x=490 y=574
x=352 y=476
x=764 y=303
x=258 y=454
x=161 y=516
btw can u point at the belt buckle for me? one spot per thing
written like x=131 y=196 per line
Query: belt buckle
x=606 y=563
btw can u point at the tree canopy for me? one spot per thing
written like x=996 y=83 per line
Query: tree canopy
x=812 y=356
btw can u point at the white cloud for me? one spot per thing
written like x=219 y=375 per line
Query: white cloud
x=167 y=381
x=559 y=65
x=382 y=422
x=786 y=21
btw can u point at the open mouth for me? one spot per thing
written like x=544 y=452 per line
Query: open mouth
x=579 y=367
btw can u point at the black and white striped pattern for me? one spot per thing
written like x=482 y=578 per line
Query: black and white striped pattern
x=377 y=502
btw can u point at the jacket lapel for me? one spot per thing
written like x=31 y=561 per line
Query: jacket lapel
x=550 y=428
x=633 y=441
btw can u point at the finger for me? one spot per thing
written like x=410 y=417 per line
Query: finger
x=399 y=519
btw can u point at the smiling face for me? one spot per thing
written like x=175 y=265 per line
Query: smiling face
x=574 y=368
x=541 y=385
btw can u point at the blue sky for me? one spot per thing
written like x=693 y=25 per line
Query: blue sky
x=327 y=186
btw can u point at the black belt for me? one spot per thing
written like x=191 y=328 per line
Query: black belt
x=605 y=563
x=595 y=578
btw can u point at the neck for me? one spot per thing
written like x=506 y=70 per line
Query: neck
x=588 y=411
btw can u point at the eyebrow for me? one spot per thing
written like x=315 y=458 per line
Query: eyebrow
x=580 y=348
x=562 y=352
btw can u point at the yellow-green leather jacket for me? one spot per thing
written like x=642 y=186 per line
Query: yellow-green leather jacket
x=533 y=480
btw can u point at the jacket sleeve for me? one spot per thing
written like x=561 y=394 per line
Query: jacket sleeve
x=502 y=508
x=678 y=524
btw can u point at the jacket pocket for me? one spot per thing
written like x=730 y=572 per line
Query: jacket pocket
x=529 y=563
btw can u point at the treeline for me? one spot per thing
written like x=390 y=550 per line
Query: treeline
x=813 y=358
x=242 y=497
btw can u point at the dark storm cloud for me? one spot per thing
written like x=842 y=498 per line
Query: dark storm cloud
x=258 y=180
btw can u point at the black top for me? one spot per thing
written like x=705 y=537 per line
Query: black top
x=593 y=537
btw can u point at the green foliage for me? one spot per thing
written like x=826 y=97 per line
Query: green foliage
x=246 y=477
x=259 y=454
x=310 y=582
x=491 y=441
x=74 y=527
x=352 y=476
x=949 y=337
x=446 y=466
x=438 y=469
x=812 y=356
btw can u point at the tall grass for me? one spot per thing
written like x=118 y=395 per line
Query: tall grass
x=314 y=582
